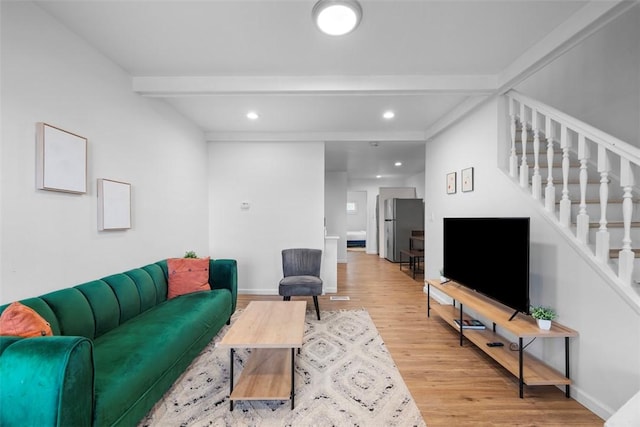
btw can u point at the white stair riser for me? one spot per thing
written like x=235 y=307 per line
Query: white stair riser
x=614 y=212
x=616 y=235
x=593 y=191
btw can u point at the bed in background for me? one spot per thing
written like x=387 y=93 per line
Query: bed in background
x=357 y=239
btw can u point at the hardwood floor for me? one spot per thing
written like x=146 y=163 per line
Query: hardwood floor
x=452 y=385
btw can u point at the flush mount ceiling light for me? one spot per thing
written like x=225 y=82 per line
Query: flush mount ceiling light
x=252 y=115
x=397 y=164
x=337 y=17
x=389 y=115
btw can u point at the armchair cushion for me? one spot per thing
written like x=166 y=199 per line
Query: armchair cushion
x=300 y=285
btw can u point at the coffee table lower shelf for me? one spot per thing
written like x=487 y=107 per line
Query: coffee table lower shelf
x=268 y=375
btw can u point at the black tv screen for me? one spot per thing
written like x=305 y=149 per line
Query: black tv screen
x=490 y=256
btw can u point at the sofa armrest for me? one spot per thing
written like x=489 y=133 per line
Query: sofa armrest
x=46 y=381
x=223 y=274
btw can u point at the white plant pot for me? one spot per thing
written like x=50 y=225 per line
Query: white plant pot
x=443 y=279
x=544 y=324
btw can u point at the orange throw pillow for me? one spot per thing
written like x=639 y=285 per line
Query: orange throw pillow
x=22 y=321
x=187 y=275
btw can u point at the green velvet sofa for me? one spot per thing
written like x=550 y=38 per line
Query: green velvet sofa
x=118 y=346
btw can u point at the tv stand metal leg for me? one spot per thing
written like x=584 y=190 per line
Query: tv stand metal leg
x=520 y=367
x=567 y=388
x=461 y=334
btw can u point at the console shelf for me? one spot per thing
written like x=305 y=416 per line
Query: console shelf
x=529 y=370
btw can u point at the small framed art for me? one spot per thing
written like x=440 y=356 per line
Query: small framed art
x=61 y=160
x=451 y=183
x=114 y=205
x=467 y=179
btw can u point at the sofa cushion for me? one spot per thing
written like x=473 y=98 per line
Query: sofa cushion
x=73 y=312
x=187 y=275
x=132 y=357
x=146 y=288
x=127 y=294
x=159 y=280
x=104 y=304
x=22 y=321
x=43 y=310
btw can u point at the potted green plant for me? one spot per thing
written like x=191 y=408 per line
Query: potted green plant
x=544 y=316
x=190 y=254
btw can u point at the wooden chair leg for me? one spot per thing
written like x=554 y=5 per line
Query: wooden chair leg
x=315 y=302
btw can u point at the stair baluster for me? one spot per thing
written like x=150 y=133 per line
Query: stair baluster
x=602 y=236
x=524 y=167
x=550 y=190
x=536 y=180
x=625 y=266
x=582 y=232
x=565 y=202
x=513 y=157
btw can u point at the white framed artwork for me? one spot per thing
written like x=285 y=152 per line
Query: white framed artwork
x=467 y=179
x=451 y=183
x=61 y=160
x=114 y=205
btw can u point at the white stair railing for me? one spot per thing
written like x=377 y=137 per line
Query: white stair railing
x=566 y=131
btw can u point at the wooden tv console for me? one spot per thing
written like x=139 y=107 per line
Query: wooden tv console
x=529 y=370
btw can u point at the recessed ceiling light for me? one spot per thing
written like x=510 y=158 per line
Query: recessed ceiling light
x=398 y=163
x=378 y=176
x=336 y=17
x=389 y=115
x=252 y=115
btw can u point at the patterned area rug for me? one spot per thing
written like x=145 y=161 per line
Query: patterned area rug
x=344 y=376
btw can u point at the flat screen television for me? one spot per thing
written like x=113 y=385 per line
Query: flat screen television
x=490 y=256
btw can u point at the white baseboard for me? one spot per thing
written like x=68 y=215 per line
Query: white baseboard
x=244 y=291
x=588 y=401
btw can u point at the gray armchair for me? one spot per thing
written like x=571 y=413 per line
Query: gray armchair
x=301 y=269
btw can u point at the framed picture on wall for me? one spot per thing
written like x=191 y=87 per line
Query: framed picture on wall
x=451 y=183
x=61 y=160
x=467 y=179
x=114 y=205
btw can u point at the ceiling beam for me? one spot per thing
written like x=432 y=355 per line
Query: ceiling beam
x=158 y=86
x=313 y=136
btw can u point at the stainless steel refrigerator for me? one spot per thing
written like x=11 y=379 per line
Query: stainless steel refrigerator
x=400 y=217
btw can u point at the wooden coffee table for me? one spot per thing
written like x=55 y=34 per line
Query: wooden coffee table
x=274 y=330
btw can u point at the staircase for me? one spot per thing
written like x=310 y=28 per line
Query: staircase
x=584 y=182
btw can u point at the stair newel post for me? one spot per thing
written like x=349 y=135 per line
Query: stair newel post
x=602 y=236
x=550 y=190
x=565 y=203
x=513 y=157
x=582 y=231
x=524 y=167
x=536 y=180
x=625 y=266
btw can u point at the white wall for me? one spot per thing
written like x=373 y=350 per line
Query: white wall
x=357 y=221
x=284 y=185
x=597 y=81
x=335 y=214
x=604 y=358
x=50 y=239
x=416 y=181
